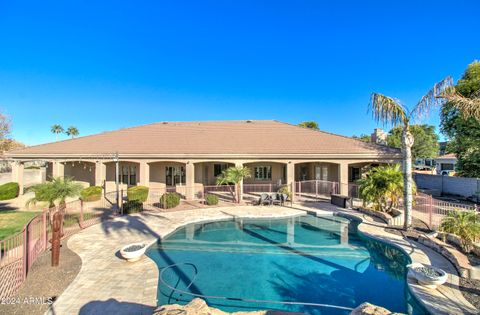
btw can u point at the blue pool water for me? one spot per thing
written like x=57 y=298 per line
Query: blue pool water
x=306 y=260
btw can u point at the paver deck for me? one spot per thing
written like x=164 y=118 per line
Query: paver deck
x=107 y=284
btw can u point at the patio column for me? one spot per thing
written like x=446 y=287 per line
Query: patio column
x=343 y=178
x=144 y=173
x=240 y=194
x=58 y=169
x=190 y=180
x=17 y=175
x=100 y=173
x=291 y=178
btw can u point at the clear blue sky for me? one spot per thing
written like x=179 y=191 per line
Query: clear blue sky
x=103 y=65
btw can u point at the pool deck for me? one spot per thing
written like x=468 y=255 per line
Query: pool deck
x=107 y=284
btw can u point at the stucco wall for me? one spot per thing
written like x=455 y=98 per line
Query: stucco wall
x=461 y=186
x=82 y=172
x=30 y=177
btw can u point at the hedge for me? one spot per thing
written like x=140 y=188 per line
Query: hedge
x=9 y=191
x=132 y=206
x=211 y=200
x=169 y=200
x=92 y=193
x=139 y=193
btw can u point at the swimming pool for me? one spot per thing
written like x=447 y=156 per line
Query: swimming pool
x=314 y=265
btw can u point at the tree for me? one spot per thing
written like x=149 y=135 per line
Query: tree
x=463 y=130
x=387 y=110
x=363 y=137
x=309 y=124
x=234 y=175
x=383 y=186
x=72 y=131
x=56 y=190
x=57 y=129
x=425 y=144
x=10 y=144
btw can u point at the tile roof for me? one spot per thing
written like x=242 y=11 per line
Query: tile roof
x=248 y=137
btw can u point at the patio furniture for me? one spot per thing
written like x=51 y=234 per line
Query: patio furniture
x=275 y=199
x=283 y=198
x=341 y=201
x=264 y=199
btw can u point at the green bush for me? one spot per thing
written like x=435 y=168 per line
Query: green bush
x=169 y=200
x=9 y=191
x=139 y=193
x=132 y=206
x=92 y=193
x=211 y=200
x=284 y=190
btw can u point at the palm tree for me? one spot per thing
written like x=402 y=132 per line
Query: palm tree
x=72 y=131
x=383 y=186
x=234 y=175
x=469 y=107
x=464 y=224
x=387 y=110
x=57 y=129
x=57 y=190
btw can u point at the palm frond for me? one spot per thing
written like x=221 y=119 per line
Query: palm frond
x=432 y=99
x=386 y=110
x=468 y=107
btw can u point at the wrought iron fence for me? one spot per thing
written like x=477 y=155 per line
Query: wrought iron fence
x=18 y=252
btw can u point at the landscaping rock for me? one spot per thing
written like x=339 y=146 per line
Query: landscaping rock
x=199 y=307
x=370 y=309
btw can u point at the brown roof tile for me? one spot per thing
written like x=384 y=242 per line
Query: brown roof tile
x=210 y=137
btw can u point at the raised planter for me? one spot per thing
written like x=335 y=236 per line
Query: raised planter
x=395 y=218
x=428 y=276
x=133 y=252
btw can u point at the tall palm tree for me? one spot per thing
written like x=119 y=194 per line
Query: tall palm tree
x=468 y=106
x=72 y=131
x=387 y=110
x=234 y=175
x=57 y=129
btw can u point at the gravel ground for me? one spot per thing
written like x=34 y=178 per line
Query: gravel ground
x=471 y=291
x=419 y=227
x=44 y=283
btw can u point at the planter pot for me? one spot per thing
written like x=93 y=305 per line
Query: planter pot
x=429 y=277
x=133 y=252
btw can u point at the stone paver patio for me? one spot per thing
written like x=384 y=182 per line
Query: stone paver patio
x=107 y=284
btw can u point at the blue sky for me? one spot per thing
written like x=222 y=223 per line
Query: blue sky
x=103 y=65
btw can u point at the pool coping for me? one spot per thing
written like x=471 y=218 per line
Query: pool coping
x=447 y=299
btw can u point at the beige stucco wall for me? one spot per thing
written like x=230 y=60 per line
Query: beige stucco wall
x=82 y=172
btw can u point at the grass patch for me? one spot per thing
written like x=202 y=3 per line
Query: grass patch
x=12 y=222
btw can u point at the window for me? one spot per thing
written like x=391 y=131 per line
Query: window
x=133 y=175
x=355 y=174
x=263 y=172
x=127 y=175
x=124 y=174
x=218 y=169
x=447 y=166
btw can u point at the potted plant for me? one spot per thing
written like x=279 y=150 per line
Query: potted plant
x=133 y=252
x=428 y=276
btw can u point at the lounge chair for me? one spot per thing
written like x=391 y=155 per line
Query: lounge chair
x=276 y=199
x=264 y=199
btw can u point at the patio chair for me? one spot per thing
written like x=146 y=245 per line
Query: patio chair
x=283 y=198
x=264 y=200
x=275 y=199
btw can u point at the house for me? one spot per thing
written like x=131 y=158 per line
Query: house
x=446 y=164
x=188 y=156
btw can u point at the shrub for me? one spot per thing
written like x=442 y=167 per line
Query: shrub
x=92 y=193
x=139 y=193
x=169 y=200
x=284 y=190
x=464 y=224
x=9 y=191
x=211 y=200
x=132 y=206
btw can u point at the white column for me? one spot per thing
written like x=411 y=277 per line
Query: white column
x=100 y=173
x=291 y=178
x=343 y=178
x=240 y=185
x=190 y=180
x=144 y=174
x=17 y=175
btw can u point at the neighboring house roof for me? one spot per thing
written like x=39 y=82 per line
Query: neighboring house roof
x=445 y=157
x=256 y=137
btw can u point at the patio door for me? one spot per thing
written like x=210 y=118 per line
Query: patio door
x=174 y=175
